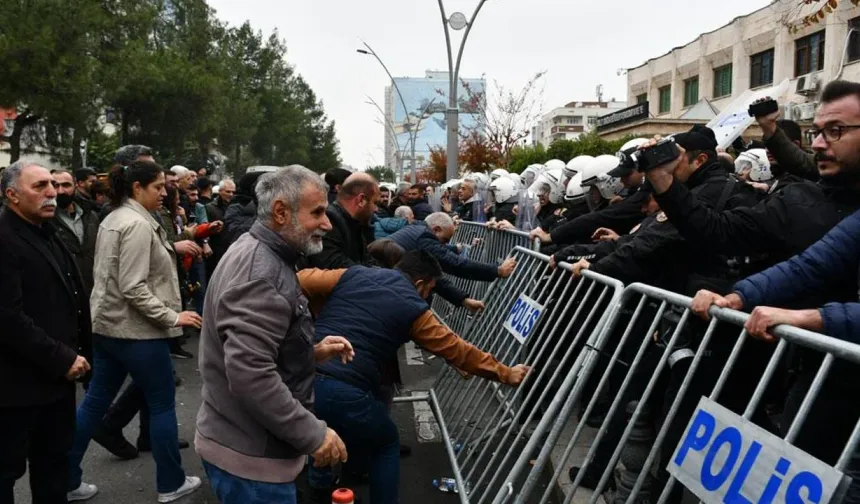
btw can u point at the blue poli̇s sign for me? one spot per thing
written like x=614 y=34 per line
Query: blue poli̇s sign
x=523 y=318
x=725 y=459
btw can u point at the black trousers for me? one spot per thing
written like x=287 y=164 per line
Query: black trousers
x=129 y=403
x=40 y=435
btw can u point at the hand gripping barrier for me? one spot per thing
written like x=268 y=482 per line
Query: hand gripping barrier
x=482 y=244
x=654 y=360
x=485 y=425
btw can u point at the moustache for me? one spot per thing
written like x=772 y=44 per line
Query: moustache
x=50 y=202
x=820 y=156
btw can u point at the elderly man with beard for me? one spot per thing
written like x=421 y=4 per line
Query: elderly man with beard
x=257 y=356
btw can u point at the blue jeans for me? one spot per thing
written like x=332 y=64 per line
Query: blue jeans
x=372 y=442
x=148 y=362
x=231 y=489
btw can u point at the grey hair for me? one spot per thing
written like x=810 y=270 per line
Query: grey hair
x=128 y=154
x=440 y=219
x=13 y=172
x=403 y=212
x=286 y=184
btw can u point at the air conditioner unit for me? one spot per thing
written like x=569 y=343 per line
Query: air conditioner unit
x=800 y=112
x=808 y=85
x=788 y=111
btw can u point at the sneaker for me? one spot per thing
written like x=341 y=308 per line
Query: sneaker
x=82 y=493
x=181 y=353
x=145 y=446
x=114 y=442
x=191 y=484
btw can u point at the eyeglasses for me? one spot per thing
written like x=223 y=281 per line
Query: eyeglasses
x=831 y=133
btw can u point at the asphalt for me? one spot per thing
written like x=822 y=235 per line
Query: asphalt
x=133 y=482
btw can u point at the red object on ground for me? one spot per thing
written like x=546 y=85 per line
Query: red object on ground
x=342 y=496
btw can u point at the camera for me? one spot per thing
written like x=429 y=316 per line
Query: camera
x=645 y=159
x=763 y=107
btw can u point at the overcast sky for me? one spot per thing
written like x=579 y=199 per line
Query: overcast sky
x=579 y=43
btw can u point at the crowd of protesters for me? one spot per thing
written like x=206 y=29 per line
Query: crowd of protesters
x=301 y=288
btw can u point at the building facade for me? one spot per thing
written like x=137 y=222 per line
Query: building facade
x=570 y=121
x=755 y=51
x=426 y=100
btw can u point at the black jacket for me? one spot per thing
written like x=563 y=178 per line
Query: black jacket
x=84 y=252
x=599 y=250
x=218 y=242
x=465 y=212
x=783 y=225
x=44 y=314
x=345 y=245
x=659 y=255
x=238 y=219
x=620 y=217
x=421 y=209
x=505 y=211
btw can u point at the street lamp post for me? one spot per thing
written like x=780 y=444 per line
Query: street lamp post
x=369 y=51
x=457 y=21
x=389 y=127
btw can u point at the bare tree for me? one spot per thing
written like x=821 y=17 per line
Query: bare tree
x=506 y=117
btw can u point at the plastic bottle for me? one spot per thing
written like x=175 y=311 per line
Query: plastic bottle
x=342 y=496
x=447 y=485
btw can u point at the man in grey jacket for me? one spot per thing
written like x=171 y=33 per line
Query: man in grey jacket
x=257 y=357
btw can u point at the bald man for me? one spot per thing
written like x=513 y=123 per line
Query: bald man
x=350 y=215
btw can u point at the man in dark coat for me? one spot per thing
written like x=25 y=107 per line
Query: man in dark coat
x=77 y=227
x=45 y=318
x=468 y=196
x=242 y=212
x=346 y=244
x=418 y=202
x=215 y=212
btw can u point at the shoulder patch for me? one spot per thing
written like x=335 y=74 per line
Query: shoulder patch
x=661 y=217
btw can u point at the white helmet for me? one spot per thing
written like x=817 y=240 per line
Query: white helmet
x=531 y=173
x=554 y=164
x=636 y=142
x=575 y=192
x=552 y=178
x=503 y=189
x=480 y=179
x=498 y=172
x=451 y=184
x=596 y=174
x=576 y=165
x=754 y=160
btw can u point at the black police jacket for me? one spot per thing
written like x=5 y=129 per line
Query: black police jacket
x=659 y=255
x=345 y=245
x=781 y=226
x=620 y=217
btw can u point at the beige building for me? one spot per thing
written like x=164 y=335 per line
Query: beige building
x=572 y=120
x=694 y=82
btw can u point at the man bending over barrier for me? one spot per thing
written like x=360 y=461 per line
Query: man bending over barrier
x=378 y=310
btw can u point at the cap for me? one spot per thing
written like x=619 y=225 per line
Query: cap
x=699 y=138
x=625 y=167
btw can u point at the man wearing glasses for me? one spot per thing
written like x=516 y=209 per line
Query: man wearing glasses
x=779 y=227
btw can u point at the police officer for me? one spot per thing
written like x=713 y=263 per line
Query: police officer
x=781 y=226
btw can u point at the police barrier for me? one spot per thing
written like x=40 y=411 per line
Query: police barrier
x=655 y=361
x=483 y=244
x=536 y=317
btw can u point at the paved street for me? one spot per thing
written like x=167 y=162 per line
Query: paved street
x=133 y=482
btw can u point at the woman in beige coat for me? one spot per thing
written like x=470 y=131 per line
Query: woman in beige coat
x=136 y=311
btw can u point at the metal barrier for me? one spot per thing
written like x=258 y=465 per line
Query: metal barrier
x=538 y=318
x=654 y=361
x=482 y=244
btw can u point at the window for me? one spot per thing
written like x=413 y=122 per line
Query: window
x=577 y=119
x=642 y=98
x=809 y=54
x=568 y=121
x=592 y=120
x=691 y=91
x=723 y=81
x=665 y=99
x=761 y=69
x=854 y=40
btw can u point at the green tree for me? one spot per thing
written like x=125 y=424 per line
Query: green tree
x=381 y=173
x=562 y=149
x=522 y=157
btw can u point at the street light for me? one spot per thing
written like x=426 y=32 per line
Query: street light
x=457 y=21
x=370 y=52
x=389 y=127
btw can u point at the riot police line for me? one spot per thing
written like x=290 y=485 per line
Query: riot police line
x=595 y=344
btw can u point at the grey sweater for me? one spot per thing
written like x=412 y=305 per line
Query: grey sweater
x=257 y=364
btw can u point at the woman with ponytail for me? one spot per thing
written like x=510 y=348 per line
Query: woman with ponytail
x=136 y=309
